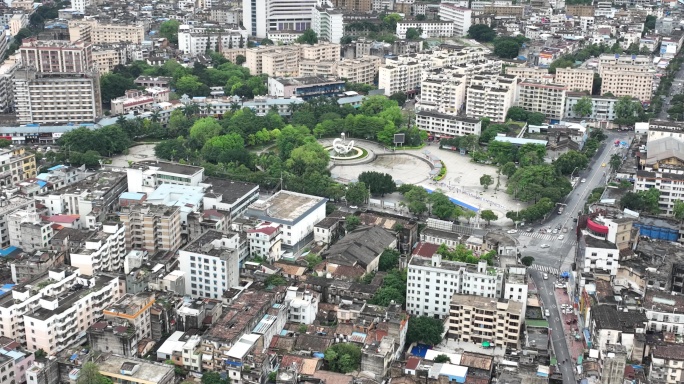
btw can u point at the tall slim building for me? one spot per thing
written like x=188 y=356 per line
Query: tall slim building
x=261 y=16
x=152 y=227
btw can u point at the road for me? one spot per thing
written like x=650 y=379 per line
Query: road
x=558 y=255
x=546 y=290
x=677 y=88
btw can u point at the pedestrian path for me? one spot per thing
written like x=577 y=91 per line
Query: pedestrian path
x=544 y=268
x=551 y=237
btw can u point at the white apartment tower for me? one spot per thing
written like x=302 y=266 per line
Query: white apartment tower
x=328 y=24
x=433 y=281
x=491 y=96
x=546 y=98
x=211 y=264
x=460 y=16
x=261 y=16
x=104 y=251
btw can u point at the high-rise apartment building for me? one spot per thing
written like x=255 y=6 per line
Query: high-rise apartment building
x=151 y=227
x=400 y=74
x=261 y=16
x=328 y=23
x=195 y=40
x=8 y=206
x=527 y=73
x=56 y=56
x=443 y=125
x=545 y=98
x=28 y=231
x=56 y=99
x=627 y=76
x=575 y=79
x=211 y=264
x=442 y=90
x=433 y=281
x=56 y=83
x=460 y=16
x=477 y=319
x=491 y=96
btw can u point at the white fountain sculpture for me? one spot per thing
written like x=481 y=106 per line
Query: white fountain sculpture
x=342 y=148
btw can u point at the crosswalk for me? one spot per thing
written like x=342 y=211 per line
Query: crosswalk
x=569 y=238
x=544 y=268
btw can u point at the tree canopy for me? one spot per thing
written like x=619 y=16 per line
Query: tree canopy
x=308 y=37
x=424 y=329
x=481 y=33
x=343 y=357
x=90 y=374
x=379 y=183
x=169 y=29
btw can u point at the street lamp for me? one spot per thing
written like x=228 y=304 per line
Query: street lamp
x=572 y=173
x=517 y=216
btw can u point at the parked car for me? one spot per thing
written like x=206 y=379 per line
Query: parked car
x=544 y=246
x=512 y=231
x=561 y=237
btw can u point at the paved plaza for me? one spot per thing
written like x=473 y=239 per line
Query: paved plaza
x=404 y=169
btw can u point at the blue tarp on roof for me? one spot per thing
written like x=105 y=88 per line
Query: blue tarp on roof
x=7 y=251
x=56 y=167
x=420 y=350
x=41 y=183
x=74 y=357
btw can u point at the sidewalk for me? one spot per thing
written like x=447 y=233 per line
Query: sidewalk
x=569 y=330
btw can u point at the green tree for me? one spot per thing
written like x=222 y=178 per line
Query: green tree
x=204 y=129
x=308 y=37
x=90 y=374
x=508 y=169
x=351 y=223
x=481 y=33
x=215 y=149
x=625 y=111
x=390 y=21
x=4 y=143
x=191 y=85
x=516 y=114
x=211 y=377
x=266 y=42
x=569 y=161
x=442 y=358
x=312 y=260
x=357 y=193
x=399 y=97
x=486 y=181
x=389 y=259
x=379 y=183
x=424 y=329
x=275 y=280
x=488 y=215
x=536 y=118
x=343 y=357
x=393 y=289
x=169 y=29
x=678 y=210
x=40 y=354
x=506 y=48
x=114 y=85
x=583 y=107
x=240 y=59
x=527 y=261
x=413 y=33
x=615 y=162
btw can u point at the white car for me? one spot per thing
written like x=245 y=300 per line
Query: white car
x=511 y=231
x=547 y=313
x=554 y=231
x=583 y=180
x=544 y=246
x=353 y=207
x=561 y=237
x=546 y=277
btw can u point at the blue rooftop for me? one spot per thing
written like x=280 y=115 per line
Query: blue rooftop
x=132 y=196
x=56 y=167
x=7 y=251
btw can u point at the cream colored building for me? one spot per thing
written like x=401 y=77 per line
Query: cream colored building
x=491 y=96
x=361 y=70
x=527 y=73
x=108 y=57
x=575 y=79
x=286 y=61
x=151 y=227
x=476 y=319
x=545 y=98
x=627 y=80
x=400 y=74
x=106 y=33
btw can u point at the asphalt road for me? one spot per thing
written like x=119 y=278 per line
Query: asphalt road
x=558 y=343
x=677 y=88
x=558 y=255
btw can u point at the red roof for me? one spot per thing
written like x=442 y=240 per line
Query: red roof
x=596 y=227
x=66 y=219
x=425 y=249
x=413 y=362
x=264 y=229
